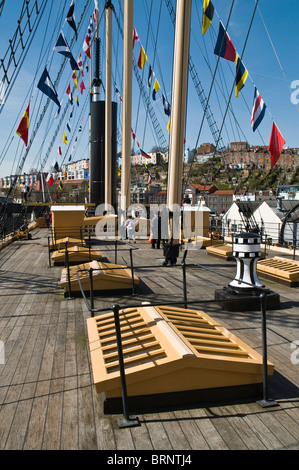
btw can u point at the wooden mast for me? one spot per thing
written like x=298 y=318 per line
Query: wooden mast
x=179 y=99
x=127 y=105
x=108 y=107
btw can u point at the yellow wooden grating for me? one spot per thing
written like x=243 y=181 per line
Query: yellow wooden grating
x=280 y=268
x=77 y=254
x=138 y=342
x=62 y=242
x=105 y=276
x=168 y=350
x=223 y=251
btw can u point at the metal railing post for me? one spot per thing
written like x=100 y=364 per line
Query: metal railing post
x=90 y=270
x=115 y=252
x=89 y=245
x=184 y=278
x=265 y=402
x=132 y=271
x=127 y=420
x=68 y=273
x=49 y=252
x=294 y=239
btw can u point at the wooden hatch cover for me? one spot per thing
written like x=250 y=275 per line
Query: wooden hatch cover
x=106 y=276
x=76 y=254
x=169 y=351
x=281 y=270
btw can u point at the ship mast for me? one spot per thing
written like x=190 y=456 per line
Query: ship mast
x=179 y=99
x=103 y=127
x=127 y=106
x=108 y=107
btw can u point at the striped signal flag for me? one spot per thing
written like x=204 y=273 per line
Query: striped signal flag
x=142 y=59
x=208 y=13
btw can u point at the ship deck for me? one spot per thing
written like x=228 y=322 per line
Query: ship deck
x=47 y=397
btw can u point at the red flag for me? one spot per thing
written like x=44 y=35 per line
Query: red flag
x=50 y=180
x=23 y=127
x=59 y=151
x=276 y=144
x=82 y=87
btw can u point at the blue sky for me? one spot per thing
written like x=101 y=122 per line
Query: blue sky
x=272 y=69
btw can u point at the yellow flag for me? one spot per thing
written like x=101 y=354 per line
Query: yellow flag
x=169 y=124
x=64 y=138
x=155 y=88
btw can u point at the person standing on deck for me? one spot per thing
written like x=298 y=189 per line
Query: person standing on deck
x=130 y=227
x=156 y=231
x=47 y=218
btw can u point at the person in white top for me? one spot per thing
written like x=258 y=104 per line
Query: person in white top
x=130 y=227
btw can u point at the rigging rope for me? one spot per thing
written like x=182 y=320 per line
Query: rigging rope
x=212 y=83
x=276 y=55
x=239 y=64
x=12 y=52
x=21 y=163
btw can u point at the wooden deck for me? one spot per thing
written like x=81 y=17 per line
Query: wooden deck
x=47 y=398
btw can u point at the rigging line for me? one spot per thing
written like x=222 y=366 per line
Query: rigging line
x=245 y=43
x=243 y=98
x=117 y=79
x=48 y=101
x=143 y=70
x=79 y=119
x=57 y=26
x=206 y=58
x=117 y=75
x=29 y=93
x=216 y=81
x=197 y=83
x=147 y=103
x=76 y=147
x=26 y=98
x=276 y=55
x=206 y=100
x=224 y=88
x=1 y=6
x=154 y=40
x=237 y=128
x=216 y=91
x=246 y=104
x=17 y=69
x=213 y=79
x=155 y=51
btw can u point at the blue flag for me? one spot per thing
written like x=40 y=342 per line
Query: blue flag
x=62 y=47
x=47 y=87
x=70 y=18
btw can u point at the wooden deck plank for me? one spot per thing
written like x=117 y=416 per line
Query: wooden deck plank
x=47 y=396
